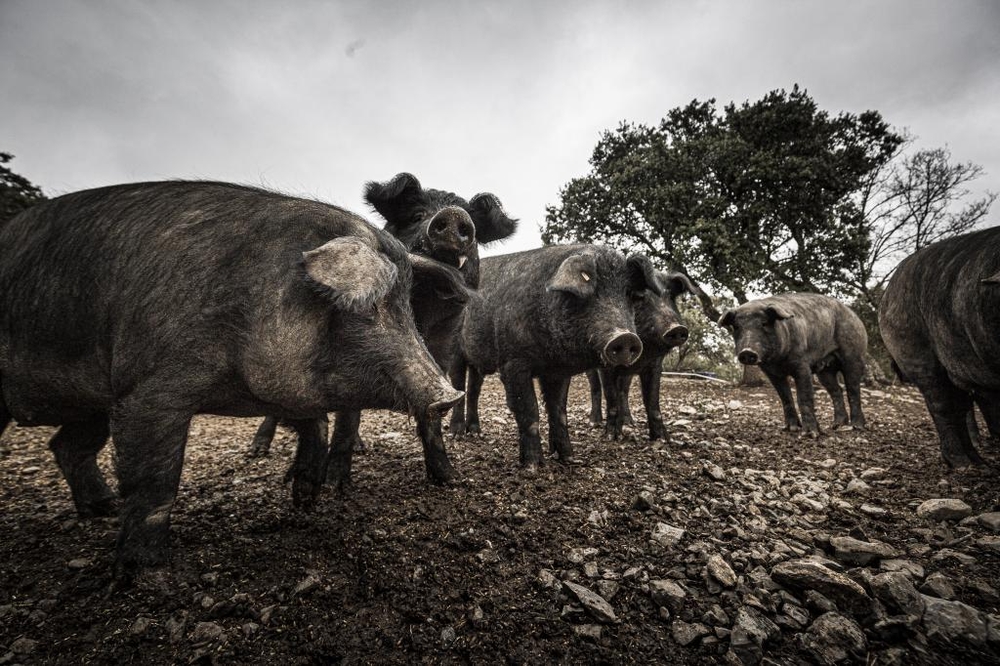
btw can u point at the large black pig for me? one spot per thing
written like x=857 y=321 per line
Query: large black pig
x=126 y=310
x=797 y=335
x=447 y=228
x=444 y=227
x=939 y=319
x=660 y=329
x=548 y=313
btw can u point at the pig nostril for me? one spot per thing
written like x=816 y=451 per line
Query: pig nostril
x=466 y=231
x=439 y=226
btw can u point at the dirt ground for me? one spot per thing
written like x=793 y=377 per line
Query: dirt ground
x=401 y=571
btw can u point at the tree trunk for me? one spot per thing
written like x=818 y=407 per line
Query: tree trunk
x=873 y=373
x=753 y=376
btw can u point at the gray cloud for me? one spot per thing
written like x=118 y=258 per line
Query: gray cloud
x=316 y=98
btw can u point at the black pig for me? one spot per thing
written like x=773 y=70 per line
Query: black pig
x=126 y=310
x=444 y=227
x=797 y=335
x=939 y=319
x=549 y=313
x=660 y=329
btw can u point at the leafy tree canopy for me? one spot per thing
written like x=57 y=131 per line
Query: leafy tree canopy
x=16 y=191
x=760 y=197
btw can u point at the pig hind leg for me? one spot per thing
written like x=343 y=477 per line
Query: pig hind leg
x=261 y=444
x=624 y=410
x=472 y=400
x=5 y=419
x=457 y=373
x=649 y=382
x=949 y=407
x=555 y=392
x=828 y=378
x=854 y=374
x=75 y=447
x=596 y=410
x=521 y=399
x=989 y=405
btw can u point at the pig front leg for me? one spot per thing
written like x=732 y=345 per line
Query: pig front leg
x=523 y=403
x=436 y=462
x=555 y=391
x=594 y=381
x=149 y=455
x=308 y=471
x=649 y=383
x=340 y=459
x=612 y=382
x=780 y=384
x=76 y=446
x=805 y=395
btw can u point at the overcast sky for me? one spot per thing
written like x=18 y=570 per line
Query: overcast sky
x=316 y=98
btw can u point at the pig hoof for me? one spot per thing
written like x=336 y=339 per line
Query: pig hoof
x=259 y=449
x=472 y=429
x=104 y=507
x=530 y=469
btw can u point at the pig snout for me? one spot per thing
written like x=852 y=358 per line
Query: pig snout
x=748 y=356
x=451 y=232
x=427 y=390
x=623 y=349
x=676 y=335
x=446 y=401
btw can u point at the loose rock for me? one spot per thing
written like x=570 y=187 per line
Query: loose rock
x=600 y=609
x=954 y=621
x=944 y=509
x=833 y=639
x=667 y=535
x=896 y=591
x=854 y=551
x=667 y=593
x=938 y=585
x=808 y=575
x=686 y=633
x=720 y=570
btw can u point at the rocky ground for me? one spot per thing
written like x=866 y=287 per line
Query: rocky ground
x=736 y=543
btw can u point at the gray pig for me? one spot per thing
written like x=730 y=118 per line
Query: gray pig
x=548 y=313
x=797 y=335
x=939 y=319
x=127 y=310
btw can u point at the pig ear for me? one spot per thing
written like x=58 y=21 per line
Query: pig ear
x=728 y=319
x=642 y=275
x=492 y=223
x=678 y=283
x=444 y=280
x=394 y=198
x=350 y=273
x=777 y=313
x=576 y=275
